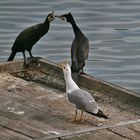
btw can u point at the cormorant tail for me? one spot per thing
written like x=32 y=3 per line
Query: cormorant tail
x=99 y=114
x=11 y=57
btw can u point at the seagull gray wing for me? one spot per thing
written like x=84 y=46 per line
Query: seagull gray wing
x=83 y=101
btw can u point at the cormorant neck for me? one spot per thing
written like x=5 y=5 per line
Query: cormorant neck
x=75 y=28
x=47 y=22
x=46 y=25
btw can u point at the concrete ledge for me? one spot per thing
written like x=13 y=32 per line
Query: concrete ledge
x=12 y=66
x=85 y=81
x=109 y=89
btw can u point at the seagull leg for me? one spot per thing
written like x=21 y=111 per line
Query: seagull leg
x=75 y=115
x=81 y=115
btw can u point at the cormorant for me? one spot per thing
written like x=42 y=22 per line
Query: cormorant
x=79 y=47
x=28 y=37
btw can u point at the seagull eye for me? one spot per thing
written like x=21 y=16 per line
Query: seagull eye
x=66 y=69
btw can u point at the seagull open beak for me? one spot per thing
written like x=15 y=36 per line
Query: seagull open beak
x=62 y=65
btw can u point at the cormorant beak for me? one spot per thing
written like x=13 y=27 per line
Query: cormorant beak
x=61 y=17
x=53 y=15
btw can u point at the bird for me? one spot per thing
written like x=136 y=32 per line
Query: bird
x=79 y=47
x=28 y=37
x=82 y=99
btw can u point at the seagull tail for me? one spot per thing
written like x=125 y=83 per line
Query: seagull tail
x=99 y=114
x=11 y=57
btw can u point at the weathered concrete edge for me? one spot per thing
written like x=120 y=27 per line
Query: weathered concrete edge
x=50 y=67
x=12 y=66
x=95 y=84
x=85 y=81
x=109 y=89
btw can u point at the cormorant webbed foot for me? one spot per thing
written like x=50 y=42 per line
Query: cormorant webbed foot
x=31 y=62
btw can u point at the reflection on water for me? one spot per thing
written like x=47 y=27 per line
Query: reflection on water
x=112 y=27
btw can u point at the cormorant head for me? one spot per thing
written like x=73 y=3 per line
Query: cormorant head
x=51 y=17
x=66 y=17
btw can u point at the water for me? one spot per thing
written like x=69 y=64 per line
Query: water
x=112 y=27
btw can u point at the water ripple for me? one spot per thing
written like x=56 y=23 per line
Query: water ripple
x=112 y=27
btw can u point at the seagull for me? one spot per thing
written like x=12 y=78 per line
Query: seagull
x=82 y=99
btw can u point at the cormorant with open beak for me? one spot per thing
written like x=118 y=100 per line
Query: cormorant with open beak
x=28 y=37
x=79 y=47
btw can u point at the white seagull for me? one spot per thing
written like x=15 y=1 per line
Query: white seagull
x=82 y=99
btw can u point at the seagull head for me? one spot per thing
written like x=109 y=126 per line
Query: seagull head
x=66 y=69
x=70 y=84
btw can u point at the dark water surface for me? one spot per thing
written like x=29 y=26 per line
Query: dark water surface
x=112 y=27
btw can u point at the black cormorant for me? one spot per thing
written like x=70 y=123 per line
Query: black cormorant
x=79 y=47
x=28 y=37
